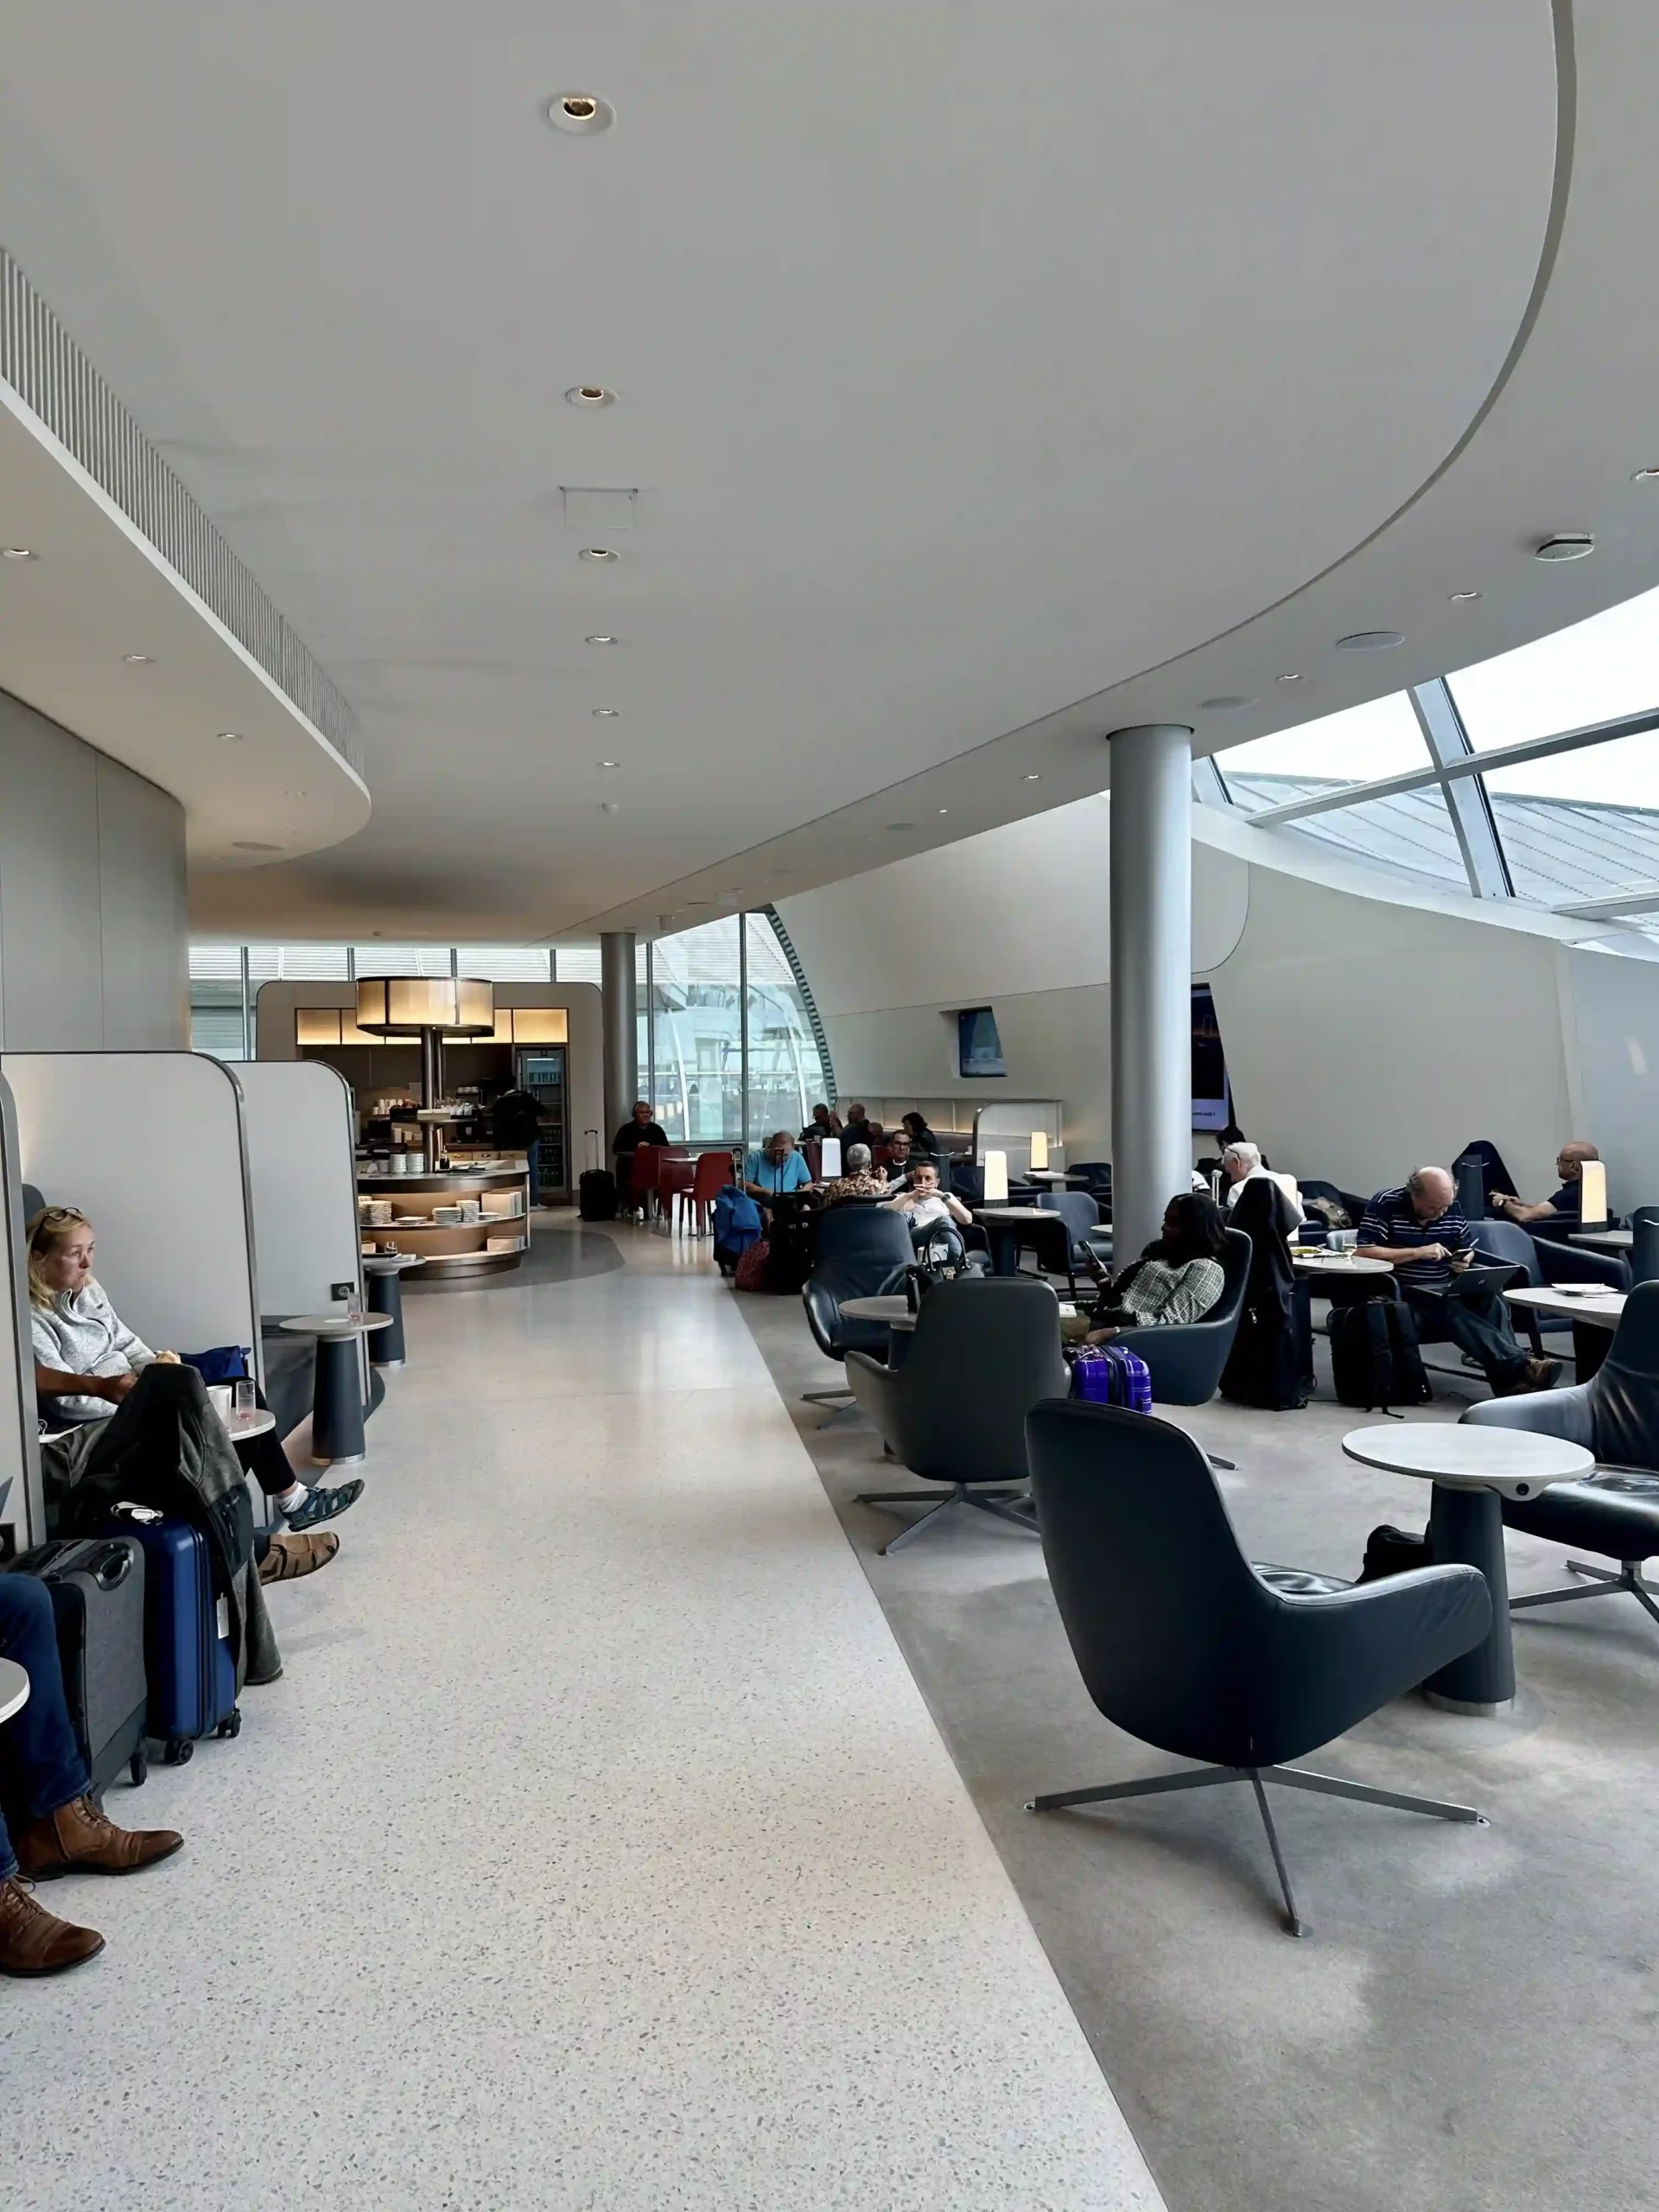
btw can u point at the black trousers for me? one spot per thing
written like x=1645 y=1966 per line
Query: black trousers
x=1477 y=1325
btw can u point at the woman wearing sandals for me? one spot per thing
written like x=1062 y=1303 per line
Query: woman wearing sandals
x=87 y=1361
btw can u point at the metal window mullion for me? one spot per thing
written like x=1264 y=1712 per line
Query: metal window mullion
x=247 y=1010
x=651 y=1022
x=743 y=1023
x=1465 y=796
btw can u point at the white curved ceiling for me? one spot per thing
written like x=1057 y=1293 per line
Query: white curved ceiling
x=971 y=362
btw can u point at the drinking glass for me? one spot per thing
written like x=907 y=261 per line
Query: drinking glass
x=243 y=1402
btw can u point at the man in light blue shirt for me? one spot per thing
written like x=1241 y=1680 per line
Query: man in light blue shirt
x=777 y=1169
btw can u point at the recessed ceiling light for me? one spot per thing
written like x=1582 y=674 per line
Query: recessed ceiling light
x=1290 y=675
x=944 y=809
x=1565 y=545
x=229 y=737
x=1224 y=700
x=137 y=660
x=598 y=553
x=1462 y=598
x=696 y=902
x=601 y=638
x=253 y=845
x=1033 y=778
x=16 y=553
x=610 y=806
x=590 y=395
x=1371 y=641
x=580 y=113
x=607 y=714
x=1645 y=476
x=609 y=764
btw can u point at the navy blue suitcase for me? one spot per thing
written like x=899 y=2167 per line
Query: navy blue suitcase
x=189 y=1670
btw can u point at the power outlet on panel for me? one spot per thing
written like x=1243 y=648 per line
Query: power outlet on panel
x=342 y=1290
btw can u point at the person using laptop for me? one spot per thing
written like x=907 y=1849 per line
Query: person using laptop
x=1420 y=1230
x=1565 y=1208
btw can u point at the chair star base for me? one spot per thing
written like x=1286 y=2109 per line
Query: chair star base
x=1013 y=1505
x=841 y=1404
x=1291 y=1777
x=1602 y=1583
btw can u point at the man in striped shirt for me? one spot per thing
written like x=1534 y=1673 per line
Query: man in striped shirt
x=1422 y=1231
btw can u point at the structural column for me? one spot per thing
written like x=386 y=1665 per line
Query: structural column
x=1151 y=978
x=617 y=986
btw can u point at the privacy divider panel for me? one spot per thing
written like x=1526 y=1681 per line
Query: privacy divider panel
x=299 y=1124
x=21 y=1504
x=150 y=1145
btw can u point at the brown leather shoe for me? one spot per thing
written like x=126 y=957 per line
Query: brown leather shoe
x=290 y=1556
x=35 y=1941
x=80 y=1837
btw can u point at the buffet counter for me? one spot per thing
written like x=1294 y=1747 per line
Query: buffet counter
x=463 y=1221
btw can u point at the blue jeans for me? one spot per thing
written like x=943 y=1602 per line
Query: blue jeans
x=41 y=1768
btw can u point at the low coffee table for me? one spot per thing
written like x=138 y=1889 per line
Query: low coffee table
x=14 y=1688
x=337 y=1438
x=1472 y=1471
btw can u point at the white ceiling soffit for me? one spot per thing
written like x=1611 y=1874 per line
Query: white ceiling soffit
x=99 y=632
x=968 y=362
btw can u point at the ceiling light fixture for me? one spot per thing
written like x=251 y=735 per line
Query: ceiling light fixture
x=1645 y=476
x=1565 y=545
x=581 y=113
x=231 y=737
x=1033 y=778
x=16 y=553
x=610 y=806
x=601 y=638
x=1371 y=641
x=590 y=395
x=1224 y=701
x=598 y=553
x=1462 y=598
x=137 y=660
x=607 y=764
x=607 y=714
x=1290 y=675
x=944 y=809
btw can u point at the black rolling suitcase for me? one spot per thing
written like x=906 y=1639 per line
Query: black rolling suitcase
x=97 y=1586
x=596 y=1195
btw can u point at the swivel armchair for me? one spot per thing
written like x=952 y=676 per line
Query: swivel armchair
x=1182 y=1642
x=1187 y=1358
x=983 y=1353
x=860 y=1247
x=1614 y=1511
x=1063 y=1248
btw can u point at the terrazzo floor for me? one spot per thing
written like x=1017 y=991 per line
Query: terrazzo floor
x=595 y=1850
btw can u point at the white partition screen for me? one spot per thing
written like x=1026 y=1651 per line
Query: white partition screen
x=149 y=1146
x=1008 y=1127
x=20 y=1508
x=301 y=1131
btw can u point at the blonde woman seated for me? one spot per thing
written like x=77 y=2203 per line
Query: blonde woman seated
x=87 y=1361
x=1177 y=1278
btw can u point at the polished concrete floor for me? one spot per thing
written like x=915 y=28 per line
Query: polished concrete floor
x=1472 y=2025
x=596 y=1849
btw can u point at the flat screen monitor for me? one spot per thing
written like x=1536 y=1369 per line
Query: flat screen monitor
x=979 y=1048
x=1211 y=1099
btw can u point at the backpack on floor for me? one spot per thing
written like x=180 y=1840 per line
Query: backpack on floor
x=1374 y=1362
x=752 y=1266
x=1112 y=1375
x=596 y=1195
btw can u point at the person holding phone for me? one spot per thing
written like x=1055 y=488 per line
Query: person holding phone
x=1422 y=1231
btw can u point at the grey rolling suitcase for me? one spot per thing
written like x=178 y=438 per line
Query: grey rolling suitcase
x=97 y=1586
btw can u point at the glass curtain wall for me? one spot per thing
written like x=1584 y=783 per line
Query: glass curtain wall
x=1534 y=775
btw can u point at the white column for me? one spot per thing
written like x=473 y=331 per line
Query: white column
x=1151 y=978
x=617 y=982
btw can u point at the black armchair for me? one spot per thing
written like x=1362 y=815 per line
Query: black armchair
x=859 y=1250
x=983 y=1353
x=1063 y=1248
x=1182 y=1642
x=1187 y=1358
x=1615 y=1511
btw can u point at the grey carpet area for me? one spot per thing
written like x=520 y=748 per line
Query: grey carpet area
x=563 y=1249
x=1473 y=2024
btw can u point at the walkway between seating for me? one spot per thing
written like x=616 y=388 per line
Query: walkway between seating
x=596 y=1850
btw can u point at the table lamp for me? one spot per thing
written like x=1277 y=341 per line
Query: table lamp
x=996 y=1164
x=1593 y=1194
x=1039 y=1147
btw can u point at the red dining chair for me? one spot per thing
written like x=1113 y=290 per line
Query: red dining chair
x=647 y=1169
x=713 y=1174
x=676 y=1178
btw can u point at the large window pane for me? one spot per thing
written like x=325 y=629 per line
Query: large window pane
x=402 y=959
x=295 y=963
x=1580 y=825
x=696 y=1027
x=505 y=963
x=1409 y=834
x=1590 y=673
x=1356 y=746
x=576 y=963
x=786 y=1076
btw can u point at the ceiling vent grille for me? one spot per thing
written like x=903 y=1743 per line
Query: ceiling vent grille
x=48 y=371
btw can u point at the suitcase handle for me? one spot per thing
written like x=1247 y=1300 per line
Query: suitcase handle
x=110 y=1566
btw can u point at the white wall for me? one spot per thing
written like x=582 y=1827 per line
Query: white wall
x=93 y=926
x=1369 y=1024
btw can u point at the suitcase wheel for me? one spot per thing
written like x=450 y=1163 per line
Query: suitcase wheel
x=178 y=1751
x=138 y=1768
x=232 y=1726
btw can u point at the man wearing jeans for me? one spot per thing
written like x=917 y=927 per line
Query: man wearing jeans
x=1420 y=1230
x=56 y=1827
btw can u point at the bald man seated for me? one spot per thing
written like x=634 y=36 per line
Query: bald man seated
x=1566 y=1207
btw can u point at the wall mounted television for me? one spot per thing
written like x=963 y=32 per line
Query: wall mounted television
x=979 y=1048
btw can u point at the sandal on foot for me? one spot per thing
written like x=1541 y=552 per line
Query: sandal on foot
x=321 y=1504
x=290 y=1556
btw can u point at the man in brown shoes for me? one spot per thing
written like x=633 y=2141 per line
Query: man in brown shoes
x=56 y=1827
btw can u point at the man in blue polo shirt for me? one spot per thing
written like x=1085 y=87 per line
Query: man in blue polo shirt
x=1420 y=1230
